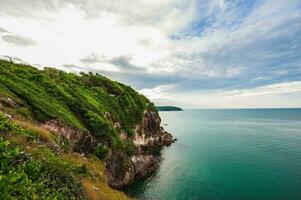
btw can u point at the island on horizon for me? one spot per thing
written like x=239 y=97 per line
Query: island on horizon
x=168 y=108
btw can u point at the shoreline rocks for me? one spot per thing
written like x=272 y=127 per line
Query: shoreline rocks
x=149 y=138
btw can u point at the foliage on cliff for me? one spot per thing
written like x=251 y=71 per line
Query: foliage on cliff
x=37 y=162
x=31 y=167
x=88 y=102
x=38 y=174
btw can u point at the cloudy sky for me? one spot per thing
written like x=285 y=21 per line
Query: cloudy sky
x=194 y=54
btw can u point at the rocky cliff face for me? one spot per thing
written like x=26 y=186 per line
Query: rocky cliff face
x=86 y=113
x=149 y=138
x=121 y=170
x=80 y=141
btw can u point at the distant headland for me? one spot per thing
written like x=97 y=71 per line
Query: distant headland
x=168 y=108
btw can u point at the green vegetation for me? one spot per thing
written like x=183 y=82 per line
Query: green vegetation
x=87 y=102
x=32 y=169
x=36 y=163
x=168 y=108
x=101 y=151
x=38 y=174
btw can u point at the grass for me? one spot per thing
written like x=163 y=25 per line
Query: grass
x=38 y=164
x=95 y=184
x=31 y=169
x=42 y=133
x=86 y=101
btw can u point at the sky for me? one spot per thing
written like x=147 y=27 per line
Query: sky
x=192 y=54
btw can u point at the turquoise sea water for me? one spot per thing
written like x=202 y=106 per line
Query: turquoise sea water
x=228 y=154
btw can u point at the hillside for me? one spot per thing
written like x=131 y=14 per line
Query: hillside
x=73 y=132
x=168 y=108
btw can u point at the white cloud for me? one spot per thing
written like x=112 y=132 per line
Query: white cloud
x=286 y=94
x=66 y=35
x=273 y=89
x=198 y=45
x=158 y=94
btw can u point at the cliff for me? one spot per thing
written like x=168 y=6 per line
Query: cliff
x=109 y=132
x=149 y=137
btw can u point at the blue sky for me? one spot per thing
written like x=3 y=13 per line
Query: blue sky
x=194 y=54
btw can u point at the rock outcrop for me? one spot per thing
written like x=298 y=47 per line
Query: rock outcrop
x=149 y=138
x=120 y=170
x=87 y=113
x=80 y=141
x=8 y=102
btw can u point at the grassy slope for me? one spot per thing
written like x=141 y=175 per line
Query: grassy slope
x=88 y=102
x=31 y=168
x=30 y=162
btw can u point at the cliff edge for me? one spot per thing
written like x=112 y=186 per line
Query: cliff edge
x=104 y=126
x=149 y=137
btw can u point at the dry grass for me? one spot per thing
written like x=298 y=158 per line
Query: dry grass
x=95 y=185
x=43 y=133
x=17 y=140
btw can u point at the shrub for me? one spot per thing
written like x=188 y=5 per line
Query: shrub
x=101 y=151
x=97 y=124
x=5 y=125
x=23 y=176
x=129 y=147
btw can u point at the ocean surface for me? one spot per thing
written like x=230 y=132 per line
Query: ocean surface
x=243 y=154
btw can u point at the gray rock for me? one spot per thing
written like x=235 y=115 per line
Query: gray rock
x=8 y=102
x=149 y=137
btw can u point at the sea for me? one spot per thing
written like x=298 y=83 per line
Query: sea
x=228 y=154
